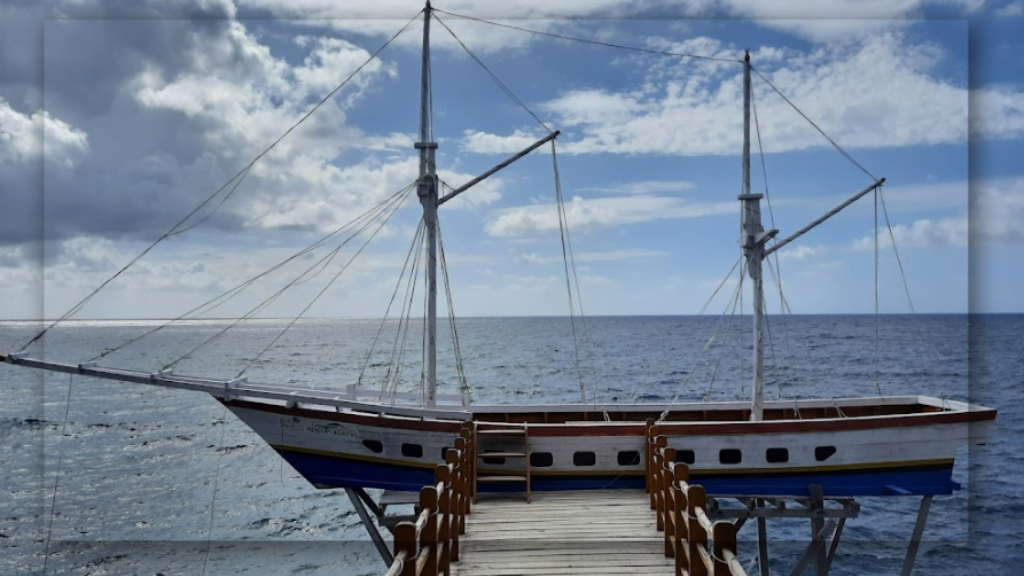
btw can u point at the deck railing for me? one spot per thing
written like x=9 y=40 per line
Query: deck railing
x=700 y=547
x=428 y=546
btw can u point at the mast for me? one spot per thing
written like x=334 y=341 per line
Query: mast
x=753 y=238
x=427 y=192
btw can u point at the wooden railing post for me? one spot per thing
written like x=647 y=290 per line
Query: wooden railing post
x=455 y=502
x=428 y=535
x=696 y=498
x=468 y=460
x=681 y=474
x=649 y=456
x=405 y=542
x=724 y=534
x=668 y=505
x=659 y=480
x=442 y=478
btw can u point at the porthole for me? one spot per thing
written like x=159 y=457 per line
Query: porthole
x=629 y=458
x=374 y=446
x=730 y=456
x=822 y=453
x=541 y=459
x=412 y=450
x=584 y=459
x=776 y=455
x=686 y=456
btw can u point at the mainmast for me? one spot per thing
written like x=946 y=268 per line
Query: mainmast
x=427 y=191
x=753 y=238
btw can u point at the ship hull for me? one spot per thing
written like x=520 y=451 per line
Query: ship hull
x=908 y=454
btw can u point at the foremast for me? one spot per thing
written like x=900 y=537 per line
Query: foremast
x=752 y=239
x=427 y=192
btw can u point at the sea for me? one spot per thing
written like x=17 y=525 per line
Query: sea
x=100 y=477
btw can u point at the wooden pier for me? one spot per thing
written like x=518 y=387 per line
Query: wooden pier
x=662 y=530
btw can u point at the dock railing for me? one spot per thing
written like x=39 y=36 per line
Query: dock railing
x=428 y=546
x=700 y=547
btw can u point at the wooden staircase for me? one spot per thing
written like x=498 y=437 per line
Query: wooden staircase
x=495 y=443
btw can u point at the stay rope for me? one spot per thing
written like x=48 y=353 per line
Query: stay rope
x=56 y=480
x=393 y=206
x=501 y=85
x=416 y=240
x=566 y=257
x=464 y=389
x=323 y=290
x=590 y=41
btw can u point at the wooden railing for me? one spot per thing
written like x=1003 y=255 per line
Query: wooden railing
x=682 y=515
x=428 y=546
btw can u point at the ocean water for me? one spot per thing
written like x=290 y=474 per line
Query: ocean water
x=154 y=481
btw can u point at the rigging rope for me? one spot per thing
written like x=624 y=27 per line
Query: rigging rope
x=216 y=480
x=647 y=379
x=892 y=237
x=714 y=335
x=397 y=201
x=562 y=225
x=412 y=248
x=816 y=127
x=238 y=176
x=397 y=205
x=210 y=305
x=501 y=85
x=393 y=374
x=594 y=42
x=56 y=480
x=464 y=389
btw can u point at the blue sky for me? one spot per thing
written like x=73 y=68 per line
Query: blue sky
x=145 y=117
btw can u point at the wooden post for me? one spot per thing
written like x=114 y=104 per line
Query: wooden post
x=659 y=479
x=442 y=478
x=428 y=536
x=669 y=506
x=724 y=534
x=648 y=455
x=460 y=445
x=454 y=503
x=405 y=541
x=696 y=498
x=469 y=458
x=681 y=474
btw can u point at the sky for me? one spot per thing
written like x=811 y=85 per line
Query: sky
x=117 y=119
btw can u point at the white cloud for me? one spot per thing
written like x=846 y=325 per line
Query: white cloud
x=1011 y=9
x=24 y=137
x=602 y=256
x=997 y=112
x=886 y=99
x=926 y=232
x=587 y=213
x=997 y=212
x=642 y=187
x=484 y=143
x=837 y=20
x=800 y=252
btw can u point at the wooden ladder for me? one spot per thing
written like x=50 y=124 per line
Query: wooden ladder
x=504 y=436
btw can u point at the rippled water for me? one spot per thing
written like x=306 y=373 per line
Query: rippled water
x=142 y=467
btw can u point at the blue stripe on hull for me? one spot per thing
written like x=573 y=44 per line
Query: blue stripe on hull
x=324 y=471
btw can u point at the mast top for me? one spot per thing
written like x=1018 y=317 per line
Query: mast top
x=746 y=53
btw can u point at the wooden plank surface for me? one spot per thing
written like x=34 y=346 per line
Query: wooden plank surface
x=563 y=533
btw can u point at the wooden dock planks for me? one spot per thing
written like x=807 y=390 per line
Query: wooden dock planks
x=563 y=533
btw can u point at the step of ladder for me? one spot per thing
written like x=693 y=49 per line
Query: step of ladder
x=504 y=437
x=501 y=455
